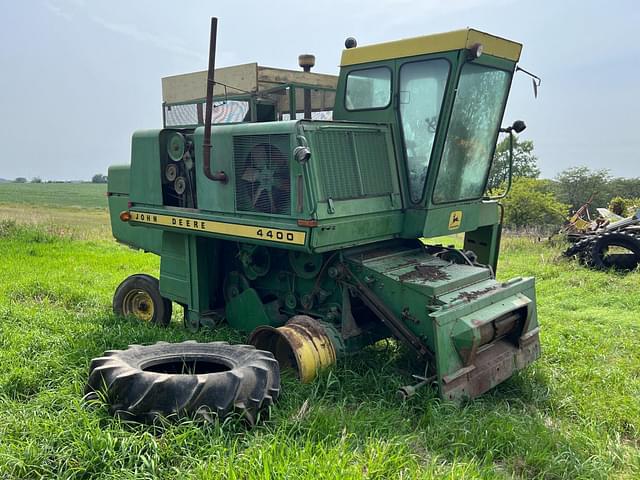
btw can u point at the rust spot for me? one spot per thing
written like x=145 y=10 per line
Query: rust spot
x=311 y=325
x=468 y=296
x=429 y=273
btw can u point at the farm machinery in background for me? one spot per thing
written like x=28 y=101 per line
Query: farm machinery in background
x=297 y=216
x=609 y=241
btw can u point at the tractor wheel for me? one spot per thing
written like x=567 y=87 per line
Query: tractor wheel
x=579 y=247
x=627 y=258
x=139 y=296
x=185 y=380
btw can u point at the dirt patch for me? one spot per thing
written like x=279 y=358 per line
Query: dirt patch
x=428 y=273
x=468 y=296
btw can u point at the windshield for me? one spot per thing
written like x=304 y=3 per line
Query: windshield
x=422 y=86
x=477 y=111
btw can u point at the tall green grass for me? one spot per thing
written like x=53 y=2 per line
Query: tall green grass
x=81 y=195
x=573 y=414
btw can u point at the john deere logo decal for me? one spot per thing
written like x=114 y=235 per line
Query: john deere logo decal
x=455 y=219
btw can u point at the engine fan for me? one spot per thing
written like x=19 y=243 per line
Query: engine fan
x=264 y=184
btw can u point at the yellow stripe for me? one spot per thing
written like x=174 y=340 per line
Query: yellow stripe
x=291 y=237
x=440 y=42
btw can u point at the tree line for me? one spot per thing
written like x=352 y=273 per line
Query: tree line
x=97 y=178
x=536 y=202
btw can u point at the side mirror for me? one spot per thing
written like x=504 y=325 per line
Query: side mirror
x=518 y=126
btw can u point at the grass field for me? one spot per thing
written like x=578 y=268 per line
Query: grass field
x=78 y=195
x=60 y=208
x=574 y=414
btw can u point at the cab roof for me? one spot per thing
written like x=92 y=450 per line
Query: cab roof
x=439 y=42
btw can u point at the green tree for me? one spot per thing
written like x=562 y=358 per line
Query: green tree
x=36 y=180
x=531 y=204
x=525 y=163
x=20 y=180
x=625 y=187
x=99 y=178
x=576 y=185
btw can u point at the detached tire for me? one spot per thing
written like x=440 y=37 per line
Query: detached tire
x=139 y=296
x=188 y=379
x=620 y=261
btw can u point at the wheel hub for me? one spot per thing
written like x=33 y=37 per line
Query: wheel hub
x=139 y=304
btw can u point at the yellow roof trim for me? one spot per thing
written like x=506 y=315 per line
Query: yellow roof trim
x=440 y=42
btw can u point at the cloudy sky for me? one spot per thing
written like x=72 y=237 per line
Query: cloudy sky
x=79 y=76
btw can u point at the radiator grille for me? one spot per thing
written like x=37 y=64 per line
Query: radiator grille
x=261 y=165
x=353 y=164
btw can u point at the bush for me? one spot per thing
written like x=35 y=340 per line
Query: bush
x=531 y=204
x=617 y=205
x=625 y=207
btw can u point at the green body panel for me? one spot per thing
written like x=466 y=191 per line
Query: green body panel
x=145 y=170
x=118 y=180
x=247 y=312
x=147 y=239
x=485 y=243
x=189 y=273
x=351 y=231
x=316 y=218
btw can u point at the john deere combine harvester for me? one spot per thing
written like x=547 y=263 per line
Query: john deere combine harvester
x=305 y=231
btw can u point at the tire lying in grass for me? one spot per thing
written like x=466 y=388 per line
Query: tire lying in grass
x=602 y=258
x=579 y=248
x=139 y=296
x=185 y=380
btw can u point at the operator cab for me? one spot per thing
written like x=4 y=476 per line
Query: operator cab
x=444 y=96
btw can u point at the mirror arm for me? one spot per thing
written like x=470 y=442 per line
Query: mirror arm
x=510 y=177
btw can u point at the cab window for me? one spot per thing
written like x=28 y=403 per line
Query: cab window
x=368 y=89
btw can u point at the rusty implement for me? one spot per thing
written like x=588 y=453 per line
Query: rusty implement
x=608 y=245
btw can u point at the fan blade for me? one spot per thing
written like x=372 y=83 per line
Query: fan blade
x=282 y=184
x=250 y=175
x=256 y=197
x=259 y=154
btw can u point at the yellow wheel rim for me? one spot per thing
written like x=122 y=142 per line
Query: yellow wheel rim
x=139 y=304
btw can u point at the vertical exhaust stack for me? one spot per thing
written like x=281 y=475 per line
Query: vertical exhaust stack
x=306 y=62
x=206 y=143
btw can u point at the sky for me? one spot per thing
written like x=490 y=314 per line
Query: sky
x=78 y=77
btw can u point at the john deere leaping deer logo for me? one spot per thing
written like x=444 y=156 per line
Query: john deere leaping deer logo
x=455 y=219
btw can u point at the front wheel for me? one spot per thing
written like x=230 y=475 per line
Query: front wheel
x=139 y=296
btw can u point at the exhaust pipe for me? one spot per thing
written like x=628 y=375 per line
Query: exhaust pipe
x=206 y=143
x=306 y=61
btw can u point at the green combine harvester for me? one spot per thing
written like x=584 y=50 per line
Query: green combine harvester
x=299 y=216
